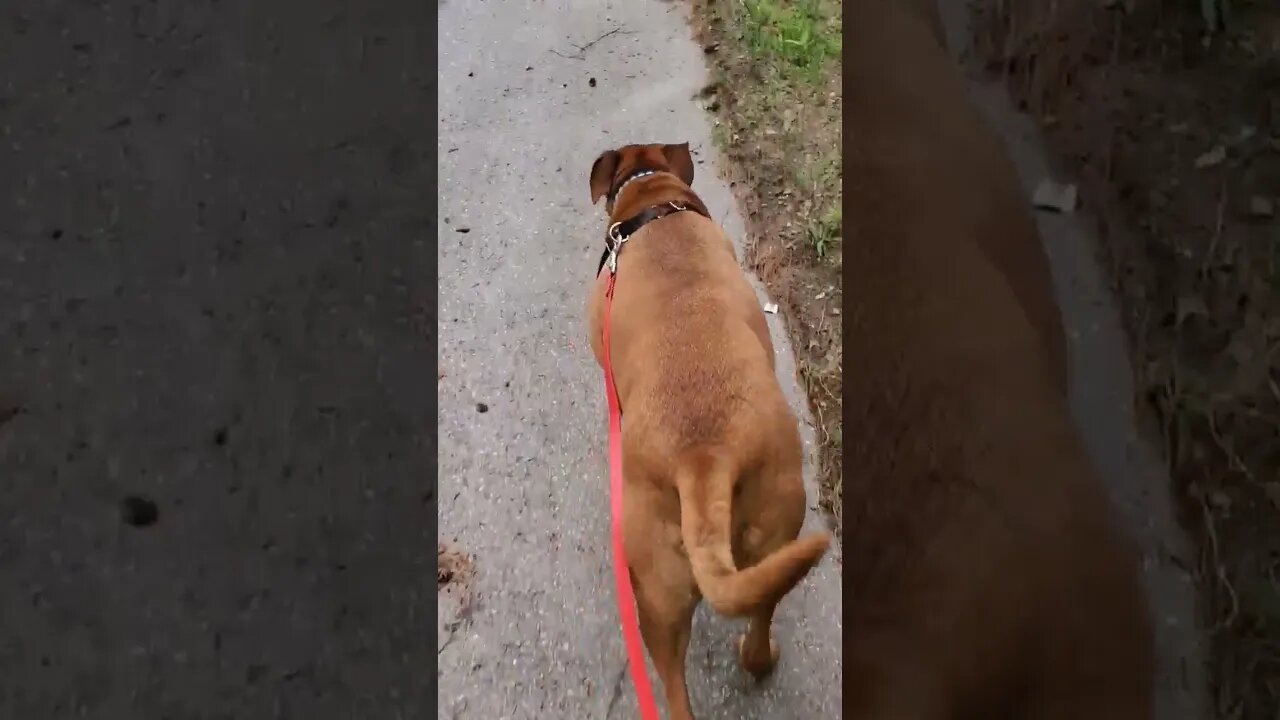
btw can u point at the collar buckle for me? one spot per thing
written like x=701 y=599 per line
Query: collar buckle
x=614 y=238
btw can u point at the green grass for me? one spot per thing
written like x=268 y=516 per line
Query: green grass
x=794 y=47
x=797 y=38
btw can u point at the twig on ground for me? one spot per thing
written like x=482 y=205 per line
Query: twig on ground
x=616 y=30
x=822 y=424
x=453 y=633
x=1219 y=570
x=1233 y=459
x=582 y=49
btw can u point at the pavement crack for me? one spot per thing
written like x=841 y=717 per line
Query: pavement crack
x=582 y=49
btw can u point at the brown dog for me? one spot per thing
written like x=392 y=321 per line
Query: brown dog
x=713 y=497
x=990 y=580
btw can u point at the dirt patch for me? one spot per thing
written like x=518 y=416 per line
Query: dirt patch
x=776 y=96
x=1172 y=124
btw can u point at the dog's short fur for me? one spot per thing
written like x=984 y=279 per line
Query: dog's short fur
x=713 y=497
x=989 y=579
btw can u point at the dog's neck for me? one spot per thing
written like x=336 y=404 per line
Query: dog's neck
x=643 y=208
x=666 y=187
x=616 y=192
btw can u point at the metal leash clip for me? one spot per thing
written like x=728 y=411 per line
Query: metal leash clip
x=615 y=247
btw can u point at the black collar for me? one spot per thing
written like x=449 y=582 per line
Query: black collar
x=619 y=232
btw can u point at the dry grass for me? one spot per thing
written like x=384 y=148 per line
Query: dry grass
x=452 y=567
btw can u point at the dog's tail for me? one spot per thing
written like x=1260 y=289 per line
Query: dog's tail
x=705 y=484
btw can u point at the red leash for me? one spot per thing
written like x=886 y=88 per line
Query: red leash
x=621 y=577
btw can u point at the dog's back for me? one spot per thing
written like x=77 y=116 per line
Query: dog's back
x=714 y=421
x=991 y=581
x=708 y=345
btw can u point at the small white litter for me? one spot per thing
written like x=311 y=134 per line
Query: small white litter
x=771 y=308
x=1050 y=195
x=1261 y=207
x=1211 y=158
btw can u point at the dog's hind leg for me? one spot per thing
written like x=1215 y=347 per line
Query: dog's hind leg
x=757 y=651
x=778 y=525
x=665 y=609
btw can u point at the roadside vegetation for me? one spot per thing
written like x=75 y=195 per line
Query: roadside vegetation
x=1168 y=112
x=775 y=94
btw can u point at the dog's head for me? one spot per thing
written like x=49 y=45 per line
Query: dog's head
x=615 y=167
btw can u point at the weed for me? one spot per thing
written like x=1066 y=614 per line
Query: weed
x=798 y=36
x=824 y=232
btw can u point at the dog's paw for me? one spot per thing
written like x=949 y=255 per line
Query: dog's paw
x=759 y=667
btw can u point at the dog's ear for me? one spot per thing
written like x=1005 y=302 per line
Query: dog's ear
x=680 y=160
x=602 y=172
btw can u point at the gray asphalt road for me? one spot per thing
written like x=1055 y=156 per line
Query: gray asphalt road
x=523 y=485
x=1103 y=402
x=214 y=244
